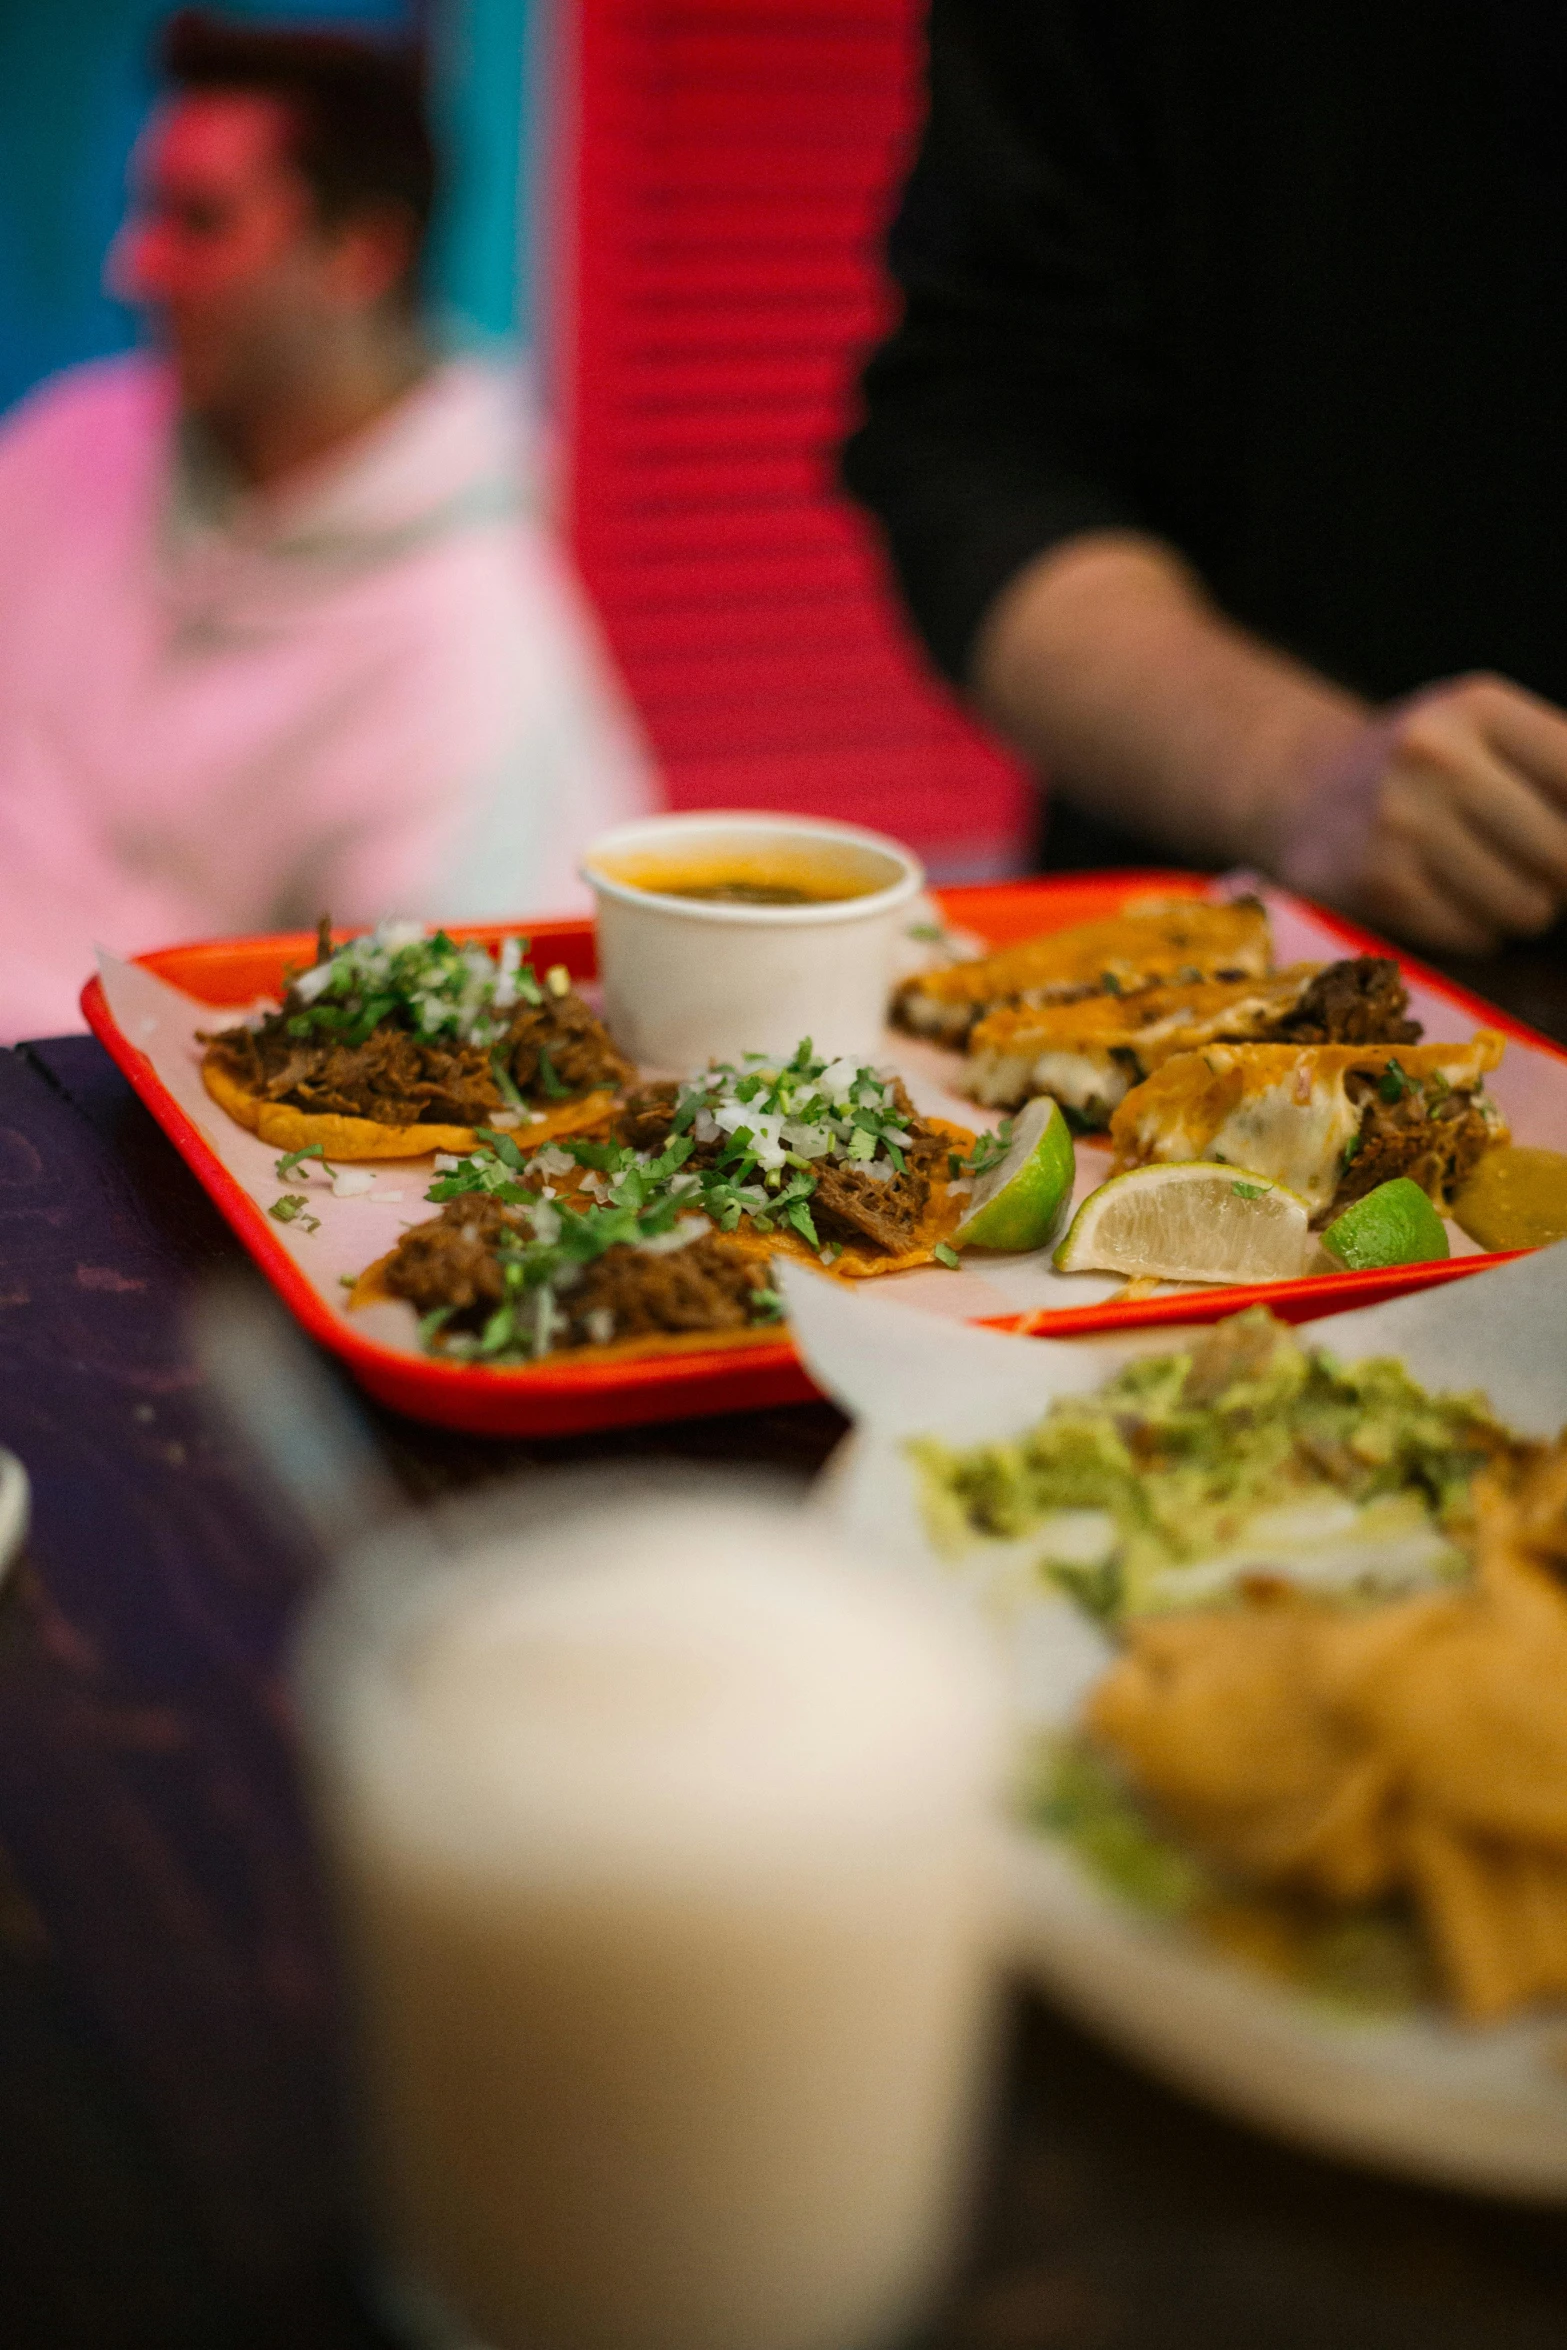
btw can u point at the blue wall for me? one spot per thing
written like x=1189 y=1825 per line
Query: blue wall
x=73 y=88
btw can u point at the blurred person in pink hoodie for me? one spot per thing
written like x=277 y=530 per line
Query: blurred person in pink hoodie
x=278 y=630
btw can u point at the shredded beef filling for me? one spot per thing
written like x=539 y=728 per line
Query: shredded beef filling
x=1434 y=1143
x=706 y=1286
x=399 y=1080
x=1362 y=1000
x=849 y=1203
x=452 y=1261
x=647 y=1117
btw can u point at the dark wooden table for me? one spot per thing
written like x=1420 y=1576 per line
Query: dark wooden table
x=172 y=2168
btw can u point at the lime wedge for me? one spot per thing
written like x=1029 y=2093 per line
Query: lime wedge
x=1393 y=1225
x=1019 y=1203
x=1194 y=1221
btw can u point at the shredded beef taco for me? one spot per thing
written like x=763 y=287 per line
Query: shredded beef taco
x=658 y=1235
x=400 y=1043
x=539 y=1256
x=828 y=1161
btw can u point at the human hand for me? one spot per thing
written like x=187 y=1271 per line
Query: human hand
x=1444 y=819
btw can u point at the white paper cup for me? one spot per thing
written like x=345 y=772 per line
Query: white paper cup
x=689 y=980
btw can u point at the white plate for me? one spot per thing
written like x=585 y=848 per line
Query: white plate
x=1419 y=2095
x=14 y=1504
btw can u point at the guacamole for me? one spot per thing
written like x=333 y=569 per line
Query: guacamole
x=1244 y=1456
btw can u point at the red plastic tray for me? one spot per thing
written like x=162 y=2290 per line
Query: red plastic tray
x=550 y=1399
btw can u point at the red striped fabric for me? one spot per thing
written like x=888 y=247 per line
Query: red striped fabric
x=733 y=167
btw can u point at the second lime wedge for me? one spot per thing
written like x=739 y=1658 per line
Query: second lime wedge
x=1393 y=1225
x=1019 y=1203
x=1196 y=1220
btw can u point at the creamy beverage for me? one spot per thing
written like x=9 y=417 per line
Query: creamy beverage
x=666 y=1881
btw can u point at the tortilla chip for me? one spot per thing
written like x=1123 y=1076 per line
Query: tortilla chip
x=859 y=1260
x=285 y=1128
x=1213 y=1716
x=1419 y=1744
x=1468 y=1900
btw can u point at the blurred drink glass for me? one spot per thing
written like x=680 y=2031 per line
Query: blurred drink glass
x=663 y=1848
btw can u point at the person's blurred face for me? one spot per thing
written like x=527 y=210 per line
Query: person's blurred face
x=223 y=248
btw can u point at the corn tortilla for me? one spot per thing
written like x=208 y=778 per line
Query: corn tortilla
x=285 y=1128
x=371 y=1290
x=942 y=1217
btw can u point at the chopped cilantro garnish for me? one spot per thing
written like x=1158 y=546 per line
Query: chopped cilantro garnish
x=430 y=985
x=1394 y=1083
x=990 y=1149
x=606 y=1157
x=505 y=1082
x=1351 y=1150
x=550 y=1082
x=503 y=1147
x=294 y=1159
x=482 y=1171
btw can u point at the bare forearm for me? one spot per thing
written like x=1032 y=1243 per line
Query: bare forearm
x=1109 y=668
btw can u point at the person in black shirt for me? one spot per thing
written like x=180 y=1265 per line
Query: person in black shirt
x=1222 y=448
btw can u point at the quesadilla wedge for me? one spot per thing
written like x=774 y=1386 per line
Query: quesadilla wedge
x=402 y=1042
x=1330 y=1121
x=1090 y=1054
x=1186 y=939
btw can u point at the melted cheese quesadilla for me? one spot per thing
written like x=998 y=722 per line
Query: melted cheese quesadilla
x=1330 y=1121
x=1187 y=939
x=1090 y=1054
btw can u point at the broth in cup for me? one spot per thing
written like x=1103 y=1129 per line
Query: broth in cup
x=722 y=935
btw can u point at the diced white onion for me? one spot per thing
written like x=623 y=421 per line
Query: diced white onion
x=394 y=936
x=679 y=1236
